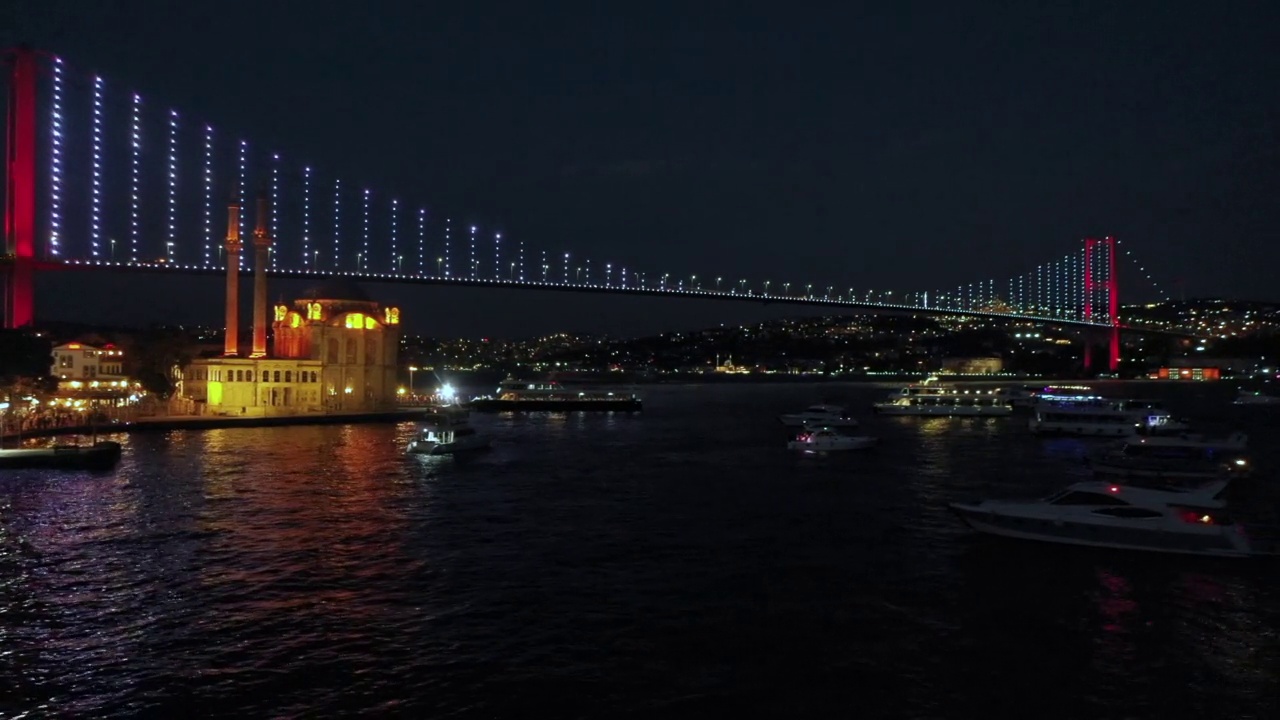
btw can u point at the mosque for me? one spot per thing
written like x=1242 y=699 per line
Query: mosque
x=335 y=350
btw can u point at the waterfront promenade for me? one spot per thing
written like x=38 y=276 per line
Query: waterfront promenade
x=159 y=423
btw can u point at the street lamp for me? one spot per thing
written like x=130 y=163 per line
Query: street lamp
x=358 y=263
x=399 y=263
x=808 y=290
x=315 y=260
x=439 y=262
x=786 y=288
x=113 y=250
x=742 y=286
x=412 y=370
x=717 y=284
x=513 y=272
x=766 y=287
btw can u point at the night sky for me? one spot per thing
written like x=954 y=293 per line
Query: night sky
x=903 y=145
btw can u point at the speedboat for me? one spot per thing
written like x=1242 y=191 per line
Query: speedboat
x=447 y=439
x=1173 y=457
x=1099 y=514
x=829 y=439
x=825 y=415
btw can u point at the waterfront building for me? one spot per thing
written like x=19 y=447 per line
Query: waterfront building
x=80 y=365
x=334 y=350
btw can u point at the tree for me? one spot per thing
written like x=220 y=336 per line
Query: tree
x=151 y=355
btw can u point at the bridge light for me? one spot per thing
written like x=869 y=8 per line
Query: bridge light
x=55 y=161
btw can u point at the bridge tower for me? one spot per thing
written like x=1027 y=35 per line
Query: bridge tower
x=1112 y=288
x=20 y=190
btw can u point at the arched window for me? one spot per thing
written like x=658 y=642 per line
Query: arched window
x=239 y=376
x=313 y=376
x=288 y=376
x=248 y=376
x=351 y=351
x=277 y=377
x=331 y=351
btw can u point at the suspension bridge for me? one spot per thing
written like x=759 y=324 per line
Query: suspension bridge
x=100 y=178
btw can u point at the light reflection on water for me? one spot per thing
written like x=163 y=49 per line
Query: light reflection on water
x=678 y=561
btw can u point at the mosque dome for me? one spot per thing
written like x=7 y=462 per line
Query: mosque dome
x=336 y=289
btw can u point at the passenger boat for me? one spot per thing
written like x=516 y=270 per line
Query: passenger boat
x=1101 y=417
x=1099 y=514
x=100 y=455
x=824 y=438
x=447 y=437
x=828 y=415
x=515 y=394
x=934 y=398
x=1184 y=457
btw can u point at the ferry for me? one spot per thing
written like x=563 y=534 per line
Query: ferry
x=515 y=394
x=1099 y=514
x=1102 y=417
x=934 y=398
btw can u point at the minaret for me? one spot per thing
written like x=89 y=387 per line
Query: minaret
x=261 y=245
x=231 y=345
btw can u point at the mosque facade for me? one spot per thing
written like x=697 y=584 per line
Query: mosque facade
x=334 y=350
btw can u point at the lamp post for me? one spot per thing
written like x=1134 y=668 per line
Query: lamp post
x=439 y=262
x=399 y=263
x=412 y=370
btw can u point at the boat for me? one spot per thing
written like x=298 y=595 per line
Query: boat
x=1099 y=514
x=828 y=415
x=100 y=455
x=1179 y=458
x=825 y=438
x=1255 y=397
x=451 y=436
x=515 y=394
x=934 y=398
x=1101 y=417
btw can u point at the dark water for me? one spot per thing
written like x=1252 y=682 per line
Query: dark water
x=678 y=563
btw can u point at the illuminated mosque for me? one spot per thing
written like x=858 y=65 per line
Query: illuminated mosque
x=335 y=350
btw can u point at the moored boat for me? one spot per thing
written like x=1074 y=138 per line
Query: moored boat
x=550 y=395
x=100 y=455
x=1183 y=457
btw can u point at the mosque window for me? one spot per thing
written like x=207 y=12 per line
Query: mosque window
x=351 y=351
x=331 y=351
x=392 y=315
x=248 y=376
x=281 y=312
x=355 y=321
x=314 y=311
x=277 y=377
x=288 y=376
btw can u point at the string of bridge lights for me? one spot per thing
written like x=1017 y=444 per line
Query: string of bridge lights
x=1053 y=289
x=55 y=161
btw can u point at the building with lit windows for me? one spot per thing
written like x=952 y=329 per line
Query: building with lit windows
x=80 y=365
x=334 y=350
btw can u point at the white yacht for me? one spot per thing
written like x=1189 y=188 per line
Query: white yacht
x=1028 y=396
x=823 y=438
x=827 y=415
x=1184 y=457
x=934 y=398
x=1099 y=514
x=450 y=434
x=1101 y=417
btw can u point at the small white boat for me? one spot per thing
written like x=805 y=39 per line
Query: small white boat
x=829 y=439
x=447 y=439
x=1168 y=519
x=825 y=415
